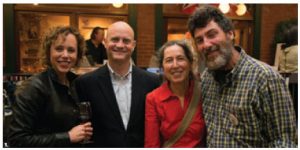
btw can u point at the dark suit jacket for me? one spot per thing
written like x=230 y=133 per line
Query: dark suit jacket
x=109 y=130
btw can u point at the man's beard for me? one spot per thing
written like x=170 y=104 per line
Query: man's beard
x=222 y=59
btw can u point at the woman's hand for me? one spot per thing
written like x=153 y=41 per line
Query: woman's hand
x=81 y=132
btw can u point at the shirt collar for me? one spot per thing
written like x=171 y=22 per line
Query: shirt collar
x=166 y=92
x=118 y=76
x=51 y=72
x=241 y=63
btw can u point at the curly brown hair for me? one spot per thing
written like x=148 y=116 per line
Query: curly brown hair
x=203 y=15
x=52 y=35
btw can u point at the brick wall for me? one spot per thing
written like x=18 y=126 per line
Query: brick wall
x=145 y=33
x=271 y=15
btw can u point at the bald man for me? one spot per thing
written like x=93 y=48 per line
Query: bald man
x=117 y=92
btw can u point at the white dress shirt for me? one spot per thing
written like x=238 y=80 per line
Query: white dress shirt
x=122 y=88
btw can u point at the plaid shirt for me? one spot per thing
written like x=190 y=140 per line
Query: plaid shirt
x=252 y=108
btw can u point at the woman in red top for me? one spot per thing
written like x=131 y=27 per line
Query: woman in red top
x=166 y=105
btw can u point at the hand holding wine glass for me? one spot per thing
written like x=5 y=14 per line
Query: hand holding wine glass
x=85 y=116
x=80 y=132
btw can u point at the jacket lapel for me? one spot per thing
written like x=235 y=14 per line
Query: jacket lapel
x=136 y=102
x=109 y=95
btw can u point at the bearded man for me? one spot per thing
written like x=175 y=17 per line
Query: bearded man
x=245 y=102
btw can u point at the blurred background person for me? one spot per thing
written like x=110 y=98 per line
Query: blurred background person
x=167 y=105
x=96 y=52
x=288 y=60
x=45 y=113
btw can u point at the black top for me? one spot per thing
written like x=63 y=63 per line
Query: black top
x=98 y=53
x=44 y=112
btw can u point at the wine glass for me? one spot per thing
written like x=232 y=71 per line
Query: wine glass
x=85 y=113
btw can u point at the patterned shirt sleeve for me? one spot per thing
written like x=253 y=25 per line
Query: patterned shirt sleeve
x=280 y=116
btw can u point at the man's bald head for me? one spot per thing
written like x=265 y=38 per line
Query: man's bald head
x=119 y=43
x=120 y=25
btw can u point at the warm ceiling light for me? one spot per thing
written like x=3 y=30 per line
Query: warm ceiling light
x=224 y=8
x=35 y=4
x=117 y=5
x=241 y=9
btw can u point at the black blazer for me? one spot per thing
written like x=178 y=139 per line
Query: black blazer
x=109 y=130
x=44 y=112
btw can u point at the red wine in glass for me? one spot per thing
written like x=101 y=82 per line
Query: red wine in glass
x=85 y=115
x=85 y=118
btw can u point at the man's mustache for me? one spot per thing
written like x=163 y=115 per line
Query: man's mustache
x=211 y=48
